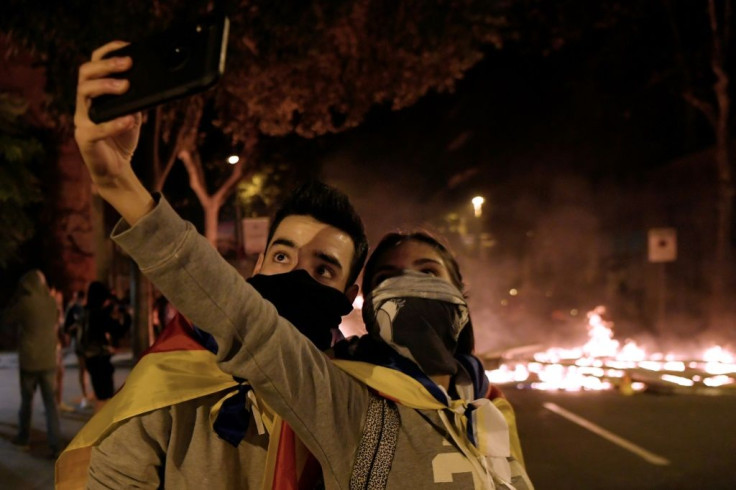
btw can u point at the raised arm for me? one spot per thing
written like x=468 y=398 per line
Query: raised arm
x=297 y=380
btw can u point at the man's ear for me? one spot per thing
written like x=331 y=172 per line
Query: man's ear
x=352 y=292
x=259 y=264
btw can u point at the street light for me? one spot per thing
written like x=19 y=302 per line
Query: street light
x=478 y=205
x=237 y=225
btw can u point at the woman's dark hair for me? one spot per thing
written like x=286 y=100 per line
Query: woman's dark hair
x=466 y=340
x=330 y=206
x=97 y=294
x=392 y=240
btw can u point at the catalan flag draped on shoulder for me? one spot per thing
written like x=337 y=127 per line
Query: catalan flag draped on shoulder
x=178 y=367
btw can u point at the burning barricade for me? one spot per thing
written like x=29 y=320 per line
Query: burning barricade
x=602 y=363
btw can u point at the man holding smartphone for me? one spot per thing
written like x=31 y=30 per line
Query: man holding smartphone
x=356 y=434
x=316 y=249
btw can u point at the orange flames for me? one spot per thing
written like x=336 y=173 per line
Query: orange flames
x=602 y=363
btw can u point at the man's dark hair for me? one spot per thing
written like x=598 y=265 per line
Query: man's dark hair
x=332 y=207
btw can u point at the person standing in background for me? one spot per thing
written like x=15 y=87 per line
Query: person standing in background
x=99 y=328
x=34 y=311
x=72 y=327
x=62 y=342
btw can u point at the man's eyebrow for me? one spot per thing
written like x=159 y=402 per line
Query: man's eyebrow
x=427 y=260
x=330 y=259
x=282 y=241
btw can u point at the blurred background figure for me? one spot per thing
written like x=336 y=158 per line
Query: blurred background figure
x=62 y=342
x=72 y=327
x=102 y=324
x=34 y=311
x=120 y=311
x=164 y=313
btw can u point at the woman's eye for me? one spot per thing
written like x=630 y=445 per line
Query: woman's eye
x=378 y=279
x=431 y=272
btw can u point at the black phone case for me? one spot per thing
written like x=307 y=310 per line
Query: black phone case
x=180 y=61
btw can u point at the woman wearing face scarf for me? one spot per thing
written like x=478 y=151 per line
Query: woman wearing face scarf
x=419 y=326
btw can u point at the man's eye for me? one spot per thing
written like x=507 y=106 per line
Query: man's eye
x=280 y=257
x=431 y=272
x=325 y=272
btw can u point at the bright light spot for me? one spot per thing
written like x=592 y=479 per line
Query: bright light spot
x=678 y=380
x=478 y=205
x=600 y=331
x=674 y=366
x=638 y=386
x=651 y=365
x=358 y=303
x=719 y=380
x=506 y=375
x=233 y=159
x=513 y=291
x=631 y=352
x=718 y=354
x=574 y=312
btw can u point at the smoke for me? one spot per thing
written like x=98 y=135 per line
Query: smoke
x=559 y=246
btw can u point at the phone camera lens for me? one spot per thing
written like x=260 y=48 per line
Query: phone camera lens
x=178 y=56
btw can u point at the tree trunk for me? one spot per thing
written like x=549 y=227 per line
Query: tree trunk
x=210 y=203
x=103 y=255
x=142 y=298
x=72 y=227
x=718 y=115
x=721 y=274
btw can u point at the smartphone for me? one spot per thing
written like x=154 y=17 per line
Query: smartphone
x=180 y=61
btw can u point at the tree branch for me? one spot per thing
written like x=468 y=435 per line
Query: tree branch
x=196 y=182
x=230 y=183
x=705 y=107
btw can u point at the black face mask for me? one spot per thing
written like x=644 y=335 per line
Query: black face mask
x=313 y=308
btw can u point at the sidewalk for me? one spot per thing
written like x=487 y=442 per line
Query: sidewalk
x=34 y=469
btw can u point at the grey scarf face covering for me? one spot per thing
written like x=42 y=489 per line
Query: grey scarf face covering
x=420 y=316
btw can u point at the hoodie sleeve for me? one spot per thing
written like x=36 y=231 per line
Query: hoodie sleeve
x=296 y=379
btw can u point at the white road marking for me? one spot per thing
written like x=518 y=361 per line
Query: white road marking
x=596 y=429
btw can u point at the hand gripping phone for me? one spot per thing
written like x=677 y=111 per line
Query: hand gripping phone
x=180 y=61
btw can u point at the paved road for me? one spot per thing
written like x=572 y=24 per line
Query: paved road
x=34 y=470
x=609 y=441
